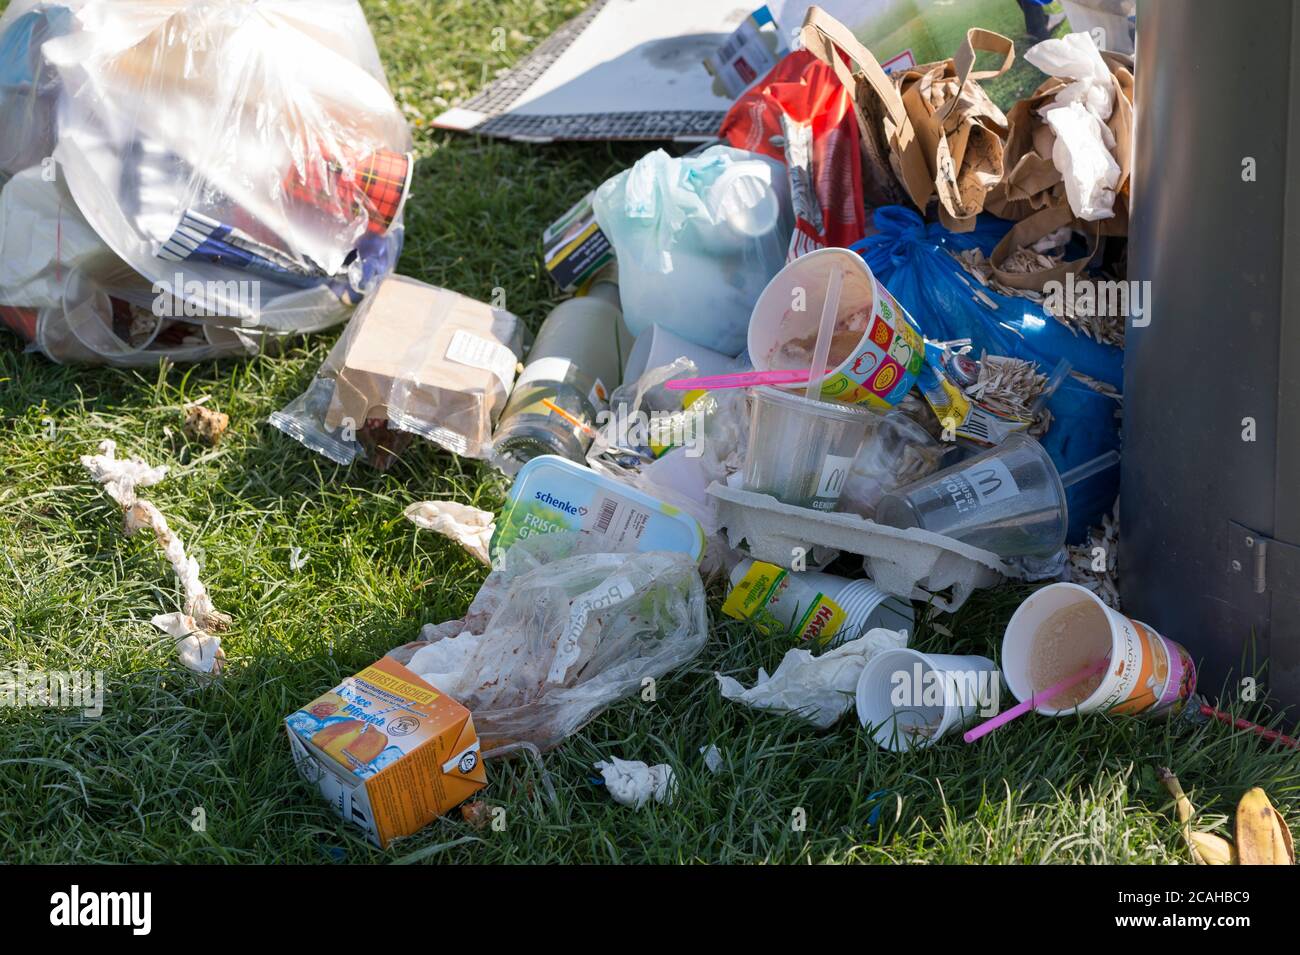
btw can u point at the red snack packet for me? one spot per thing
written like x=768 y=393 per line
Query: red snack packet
x=801 y=114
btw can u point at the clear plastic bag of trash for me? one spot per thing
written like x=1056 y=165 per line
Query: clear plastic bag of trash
x=89 y=306
x=245 y=158
x=552 y=640
x=415 y=360
x=697 y=239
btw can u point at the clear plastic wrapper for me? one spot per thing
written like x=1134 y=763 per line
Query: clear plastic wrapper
x=654 y=441
x=550 y=641
x=414 y=360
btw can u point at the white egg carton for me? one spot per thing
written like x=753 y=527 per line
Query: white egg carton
x=912 y=563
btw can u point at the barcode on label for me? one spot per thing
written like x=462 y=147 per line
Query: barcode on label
x=608 y=507
x=975 y=426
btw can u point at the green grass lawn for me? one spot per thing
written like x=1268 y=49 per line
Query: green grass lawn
x=936 y=28
x=76 y=595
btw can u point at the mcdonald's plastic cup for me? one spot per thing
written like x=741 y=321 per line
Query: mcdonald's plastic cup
x=800 y=450
x=1008 y=500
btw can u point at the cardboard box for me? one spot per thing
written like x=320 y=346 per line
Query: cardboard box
x=429 y=361
x=389 y=751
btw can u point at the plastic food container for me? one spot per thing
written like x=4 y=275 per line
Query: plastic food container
x=551 y=495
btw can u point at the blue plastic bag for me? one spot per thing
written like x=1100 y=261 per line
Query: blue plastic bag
x=911 y=259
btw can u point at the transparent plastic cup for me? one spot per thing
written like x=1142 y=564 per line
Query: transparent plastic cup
x=800 y=449
x=1008 y=500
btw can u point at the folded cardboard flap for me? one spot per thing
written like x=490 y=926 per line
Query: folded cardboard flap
x=423 y=354
x=388 y=750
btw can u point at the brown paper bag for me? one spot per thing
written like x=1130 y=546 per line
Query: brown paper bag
x=962 y=132
x=931 y=131
x=1028 y=231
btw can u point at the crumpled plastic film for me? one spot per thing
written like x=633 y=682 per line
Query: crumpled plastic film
x=199 y=649
x=550 y=640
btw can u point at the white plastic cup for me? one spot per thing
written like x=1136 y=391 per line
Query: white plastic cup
x=1147 y=673
x=801 y=450
x=658 y=346
x=865 y=605
x=910 y=700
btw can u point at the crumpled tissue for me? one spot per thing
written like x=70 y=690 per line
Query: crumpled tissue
x=193 y=629
x=819 y=689
x=633 y=783
x=468 y=526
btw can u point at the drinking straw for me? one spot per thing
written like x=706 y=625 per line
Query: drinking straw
x=576 y=422
x=742 y=379
x=1273 y=736
x=1088 y=468
x=825 y=331
x=1020 y=709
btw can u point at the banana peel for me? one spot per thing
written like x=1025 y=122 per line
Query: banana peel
x=1205 y=848
x=1263 y=837
x=1210 y=848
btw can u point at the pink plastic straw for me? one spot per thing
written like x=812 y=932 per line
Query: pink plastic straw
x=1020 y=709
x=744 y=379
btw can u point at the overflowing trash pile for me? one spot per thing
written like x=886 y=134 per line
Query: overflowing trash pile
x=853 y=330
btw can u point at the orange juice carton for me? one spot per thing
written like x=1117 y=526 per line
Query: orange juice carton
x=389 y=751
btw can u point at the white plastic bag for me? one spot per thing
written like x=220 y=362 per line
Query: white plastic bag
x=549 y=643
x=697 y=239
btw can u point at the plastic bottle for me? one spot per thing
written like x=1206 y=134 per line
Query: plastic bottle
x=574 y=364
